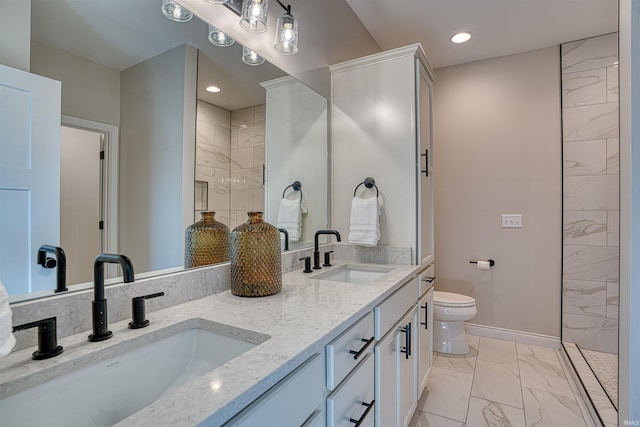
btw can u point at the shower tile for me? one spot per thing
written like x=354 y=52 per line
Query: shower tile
x=205 y=173
x=592 y=263
x=584 y=297
x=544 y=408
x=243 y=117
x=258 y=156
x=584 y=88
x=222 y=137
x=592 y=193
x=613 y=290
x=260 y=114
x=250 y=179
x=613 y=228
x=590 y=122
x=584 y=158
x=612 y=84
x=592 y=333
x=585 y=228
x=242 y=158
x=613 y=156
x=447 y=393
x=484 y=413
x=208 y=155
x=205 y=133
x=222 y=178
x=256 y=200
x=212 y=114
x=219 y=199
x=587 y=54
x=251 y=136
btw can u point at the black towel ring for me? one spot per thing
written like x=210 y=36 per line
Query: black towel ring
x=368 y=183
x=296 y=186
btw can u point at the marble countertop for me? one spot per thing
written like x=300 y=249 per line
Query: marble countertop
x=299 y=321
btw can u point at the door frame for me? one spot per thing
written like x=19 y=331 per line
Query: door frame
x=109 y=176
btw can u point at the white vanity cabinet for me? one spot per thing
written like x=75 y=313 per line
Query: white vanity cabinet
x=293 y=402
x=381 y=127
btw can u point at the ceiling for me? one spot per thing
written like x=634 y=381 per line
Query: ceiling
x=498 y=27
x=122 y=33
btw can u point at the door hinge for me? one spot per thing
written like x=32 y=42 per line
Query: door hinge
x=101 y=225
x=102 y=155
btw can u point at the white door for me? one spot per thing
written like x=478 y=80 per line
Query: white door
x=425 y=163
x=29 y=178
x=80 y=201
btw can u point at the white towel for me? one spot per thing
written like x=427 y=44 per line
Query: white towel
x=7 y=340
x=364 y=228
x=290 y=217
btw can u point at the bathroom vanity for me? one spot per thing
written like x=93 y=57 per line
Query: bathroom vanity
x=310 y=355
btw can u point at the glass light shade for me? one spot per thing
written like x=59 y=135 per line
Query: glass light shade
x=286 y=35
x=175 y=12
x=218 y=38
x=249 y=57
x=216 y=1
x=254 y=15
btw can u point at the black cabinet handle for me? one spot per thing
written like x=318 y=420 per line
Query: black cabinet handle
x=429 y=279
x=359 y=353
x=407 y=340
x=426 y=316
x=364 y=415
x=426 y=162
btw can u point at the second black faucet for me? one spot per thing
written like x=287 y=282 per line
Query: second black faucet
x=316 y=251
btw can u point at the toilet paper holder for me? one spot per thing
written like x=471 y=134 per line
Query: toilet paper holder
x=490 y=261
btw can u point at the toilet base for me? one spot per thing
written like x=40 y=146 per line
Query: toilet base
x=449 y=337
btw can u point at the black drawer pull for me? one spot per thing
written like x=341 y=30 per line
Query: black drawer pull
x=407 y=341
x=426 y=316
x=359 y=353
x=362 y=418
x=429 y=279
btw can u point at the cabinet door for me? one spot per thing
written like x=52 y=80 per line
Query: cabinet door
x=424 y=147
x=353 y=401
x=407 y=367
x=386 y=385
x=425 y=339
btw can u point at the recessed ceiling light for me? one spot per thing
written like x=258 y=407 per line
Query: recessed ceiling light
x=460 y=37
x=213 y=89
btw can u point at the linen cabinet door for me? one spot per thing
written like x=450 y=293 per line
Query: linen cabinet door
x=424 y=147
x=352 y=402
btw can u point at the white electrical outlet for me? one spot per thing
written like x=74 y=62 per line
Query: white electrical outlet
x=511 y=220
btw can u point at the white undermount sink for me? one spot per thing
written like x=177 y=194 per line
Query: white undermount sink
x=351 y=273
x=113 y=388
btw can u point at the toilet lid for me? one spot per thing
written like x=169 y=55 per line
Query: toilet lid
x=449 y=299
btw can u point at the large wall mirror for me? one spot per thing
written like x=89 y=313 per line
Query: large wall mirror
x=134 y=93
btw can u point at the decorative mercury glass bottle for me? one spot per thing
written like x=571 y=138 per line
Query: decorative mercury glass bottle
x=206 y=242
x=256 y=269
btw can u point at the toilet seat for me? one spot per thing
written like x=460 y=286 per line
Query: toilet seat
x=450 y=299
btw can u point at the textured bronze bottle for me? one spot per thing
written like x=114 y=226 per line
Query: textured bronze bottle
x=256 y=268
x=206 y=242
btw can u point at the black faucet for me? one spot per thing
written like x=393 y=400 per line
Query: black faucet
x=316 y=252
x=101 y=330
x=286 y=238
x=60 y=261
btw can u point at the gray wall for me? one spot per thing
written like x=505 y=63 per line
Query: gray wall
x=497 y=150
x=157 y=144
x=15 y=33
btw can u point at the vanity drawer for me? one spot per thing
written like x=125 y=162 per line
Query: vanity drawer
x=297 y=395
x=353 y=399
x=427 y=279
x=394 y=307
x=347 y=350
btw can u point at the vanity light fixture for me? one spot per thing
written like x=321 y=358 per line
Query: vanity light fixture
x=218 y=38
x=286 y=32
x=212 y=89
x=249 y=57
x=254 y=15
x=175 y=12
x=460 y=37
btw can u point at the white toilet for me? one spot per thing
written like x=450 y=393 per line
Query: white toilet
x=450 y=311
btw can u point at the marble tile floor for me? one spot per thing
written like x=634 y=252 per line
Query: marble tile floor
x=499 y=383
x=605 y=368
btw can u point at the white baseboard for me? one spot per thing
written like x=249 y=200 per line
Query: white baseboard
x=511 y=335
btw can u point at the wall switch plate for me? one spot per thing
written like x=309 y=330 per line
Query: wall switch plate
x=511 y=220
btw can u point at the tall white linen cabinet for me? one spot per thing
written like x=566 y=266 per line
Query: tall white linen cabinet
x=382 y=128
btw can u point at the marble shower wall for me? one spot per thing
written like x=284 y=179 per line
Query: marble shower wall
x=229 y=158
x=590 y=193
